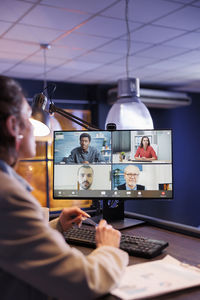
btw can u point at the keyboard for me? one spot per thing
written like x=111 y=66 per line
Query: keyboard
x=134 y=245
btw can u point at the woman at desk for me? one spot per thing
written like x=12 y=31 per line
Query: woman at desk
x=145 y=151
x=35 y=260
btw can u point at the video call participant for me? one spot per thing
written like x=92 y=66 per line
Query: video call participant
x=145 y=151
x=85 y=177
x=35 y=260
x=131 y=175
x=84 y=154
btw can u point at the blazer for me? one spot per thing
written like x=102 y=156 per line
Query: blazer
x=138 y=187
x=37 y=263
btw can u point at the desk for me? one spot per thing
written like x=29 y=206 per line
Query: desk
x=117 y=160
x=183 y=247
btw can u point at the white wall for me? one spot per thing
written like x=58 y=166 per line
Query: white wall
x=152 y=175
x=65 y=177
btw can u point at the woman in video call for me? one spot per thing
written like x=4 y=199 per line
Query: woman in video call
x=35 y=261
x=145 y=151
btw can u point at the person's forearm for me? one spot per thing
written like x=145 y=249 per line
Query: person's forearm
x=137 y=158
x=103 y=257
x=55 y=224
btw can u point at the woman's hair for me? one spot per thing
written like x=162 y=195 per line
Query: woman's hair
x=141 y=143
x=11 y=98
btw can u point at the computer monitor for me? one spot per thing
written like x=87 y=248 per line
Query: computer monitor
x=114 y=165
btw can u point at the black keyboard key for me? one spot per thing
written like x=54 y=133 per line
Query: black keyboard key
x=134 y=245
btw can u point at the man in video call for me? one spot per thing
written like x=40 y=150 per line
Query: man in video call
x=85 y=177
x=131 y=176
x=84 y=154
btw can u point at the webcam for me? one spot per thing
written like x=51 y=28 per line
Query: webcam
x=111 y=126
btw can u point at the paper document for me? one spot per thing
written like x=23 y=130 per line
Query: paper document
x=156 y=278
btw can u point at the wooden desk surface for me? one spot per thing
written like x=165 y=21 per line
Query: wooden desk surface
x=182 y=247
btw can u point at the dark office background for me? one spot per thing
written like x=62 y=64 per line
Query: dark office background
x=185 y=206
x=185 y=123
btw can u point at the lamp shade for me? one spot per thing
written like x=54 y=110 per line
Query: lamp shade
x=40 y=118
x=128 y=112
x=40 y=121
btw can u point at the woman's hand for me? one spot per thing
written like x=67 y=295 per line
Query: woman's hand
x=106 y=235
x=70 y=216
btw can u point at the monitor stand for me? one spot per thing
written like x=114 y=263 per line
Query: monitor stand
x=113 y=213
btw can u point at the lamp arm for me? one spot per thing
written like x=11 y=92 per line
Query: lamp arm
x=67 y=115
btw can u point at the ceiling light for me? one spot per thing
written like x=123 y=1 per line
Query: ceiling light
x=128 y=112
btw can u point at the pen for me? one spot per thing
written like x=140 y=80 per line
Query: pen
x=90 y=221
x=82 y=218
x=86 y=218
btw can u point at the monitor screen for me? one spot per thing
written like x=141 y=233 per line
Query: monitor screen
x=120 y=164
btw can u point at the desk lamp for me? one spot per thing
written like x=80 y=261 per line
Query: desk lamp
x=40 y=118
